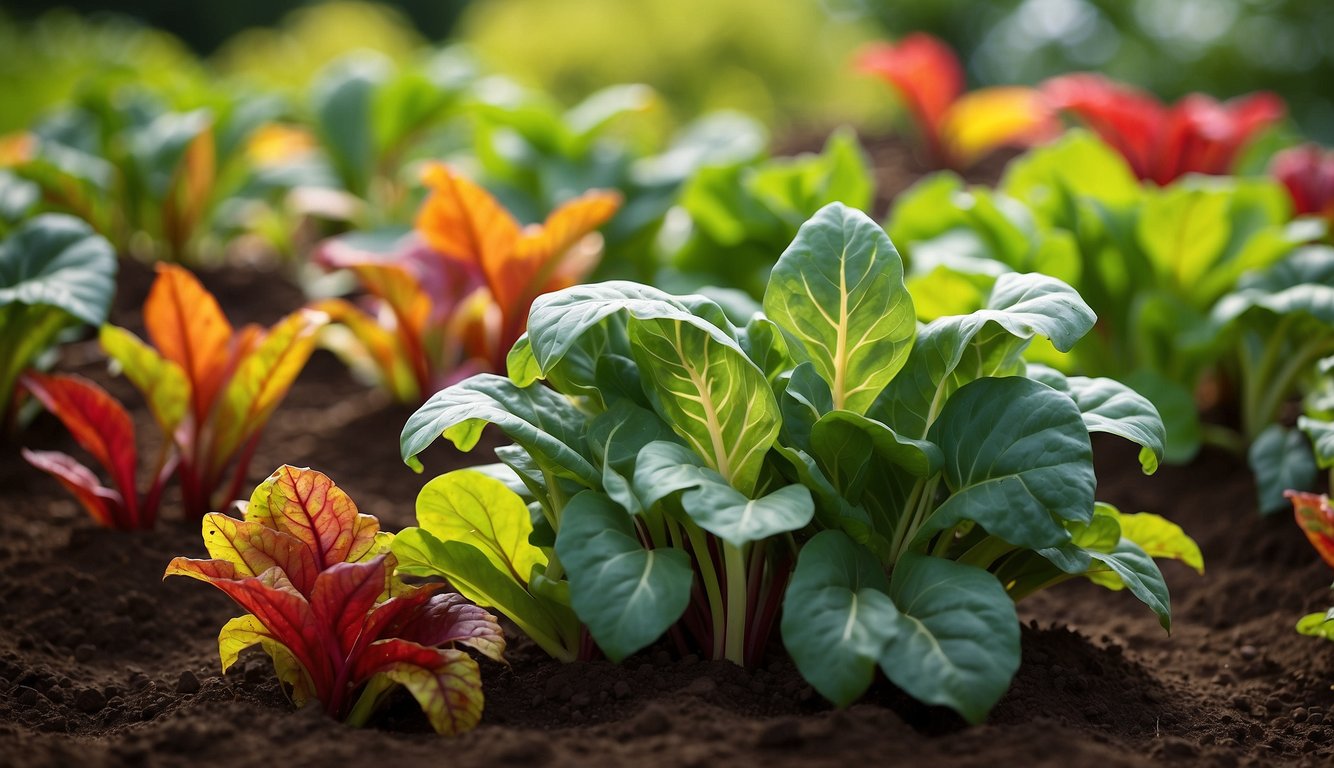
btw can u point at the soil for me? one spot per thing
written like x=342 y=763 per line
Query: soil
x=103 y=663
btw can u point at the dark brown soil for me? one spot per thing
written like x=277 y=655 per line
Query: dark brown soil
x=103 y=663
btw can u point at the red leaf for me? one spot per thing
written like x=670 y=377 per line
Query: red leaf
x=1195 y=135
x=1308 y=173
x=344 y=596
x=1316 y=518
x=446 y=683
x=104 y=505
x=926 y=74
x=449 y=618
x=99 y=424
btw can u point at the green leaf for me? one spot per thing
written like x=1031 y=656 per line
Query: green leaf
x=837 y=616
x=956 y=642
x=627 y=595
x=1281 y=460
x=850 y=448
x=1318 y=624
x=1322 y=437
x=1128 y=565
x=1110 y=406
x=952 y=351
x=551 y=625
x=1018 y=461
x=1078 y=165
x=547 y=425
x=1161 y=538
x=1176 y=404
x=56 y=260
x=342 y=100
x=472 y=508
x=162 y=381
x=711 y=394
x=763 y=342
x=838 y=289
x=805 y=398
x=1183 y=230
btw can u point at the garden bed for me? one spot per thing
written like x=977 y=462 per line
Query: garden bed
x=103 y=663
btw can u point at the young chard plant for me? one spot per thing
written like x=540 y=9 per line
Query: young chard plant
x=54 y=274
x=957 y=129
x=316 y=579
x=1162 y=143
x=453 y=297
x=892 y=489
x=211 y=390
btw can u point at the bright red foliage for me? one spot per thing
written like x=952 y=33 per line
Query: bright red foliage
x=1308 y=173
x=1198 y=134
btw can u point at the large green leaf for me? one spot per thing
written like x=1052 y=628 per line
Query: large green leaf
x=1183 y=230
x=1018 y=461
x=627 y=595
x=956 y=642
x=838 y=289
x=546 y=424
x=1112 y=407
x=711 y=393
x=1281 y=460
x=837 y=616
x=56 y=260
x=342 y=101
x=559 y=320
x=952 y=351
x=472 y=508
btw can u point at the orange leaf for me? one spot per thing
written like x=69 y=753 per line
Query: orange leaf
x=253 y=548
x=1316 y=518
x=544 y=259
x=188 y=327
x=463 y=221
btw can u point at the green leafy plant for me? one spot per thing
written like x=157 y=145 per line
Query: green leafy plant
x=892 y=489
x=316 y=579
x=743 y=213
x=54 y=274
x=211 y=390
x=1155 y=264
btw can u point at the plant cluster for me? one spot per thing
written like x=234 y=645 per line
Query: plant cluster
x=1204 y=281
x=317 y=582
x=889 y=490
x=211 y=390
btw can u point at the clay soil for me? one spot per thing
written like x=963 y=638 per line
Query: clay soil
x=103 y=663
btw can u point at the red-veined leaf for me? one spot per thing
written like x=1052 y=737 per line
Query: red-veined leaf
x=446 y=683
x=188 y=327
x=449 y=618
x=98 y=423
x=103 y=504
x=1316 y=518
x=308 y=505
x=254 y=548
x=344 y=595
x=277 y=605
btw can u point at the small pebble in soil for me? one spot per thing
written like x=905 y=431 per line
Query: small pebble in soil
x=90 y=701
x=187 y=683
x=26 y=696
x=1248 y=652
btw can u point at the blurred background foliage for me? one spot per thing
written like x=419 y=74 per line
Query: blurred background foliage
x=783 y=62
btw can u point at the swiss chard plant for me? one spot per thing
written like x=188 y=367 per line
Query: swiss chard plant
x=956 y=129
x=316 y=579
x=148 y=177
x=1155 y=263
x=452 y=297
x=55 y=274
x=889 y=489
x=1162 y=143
x=211 y=390
x=741 y=214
